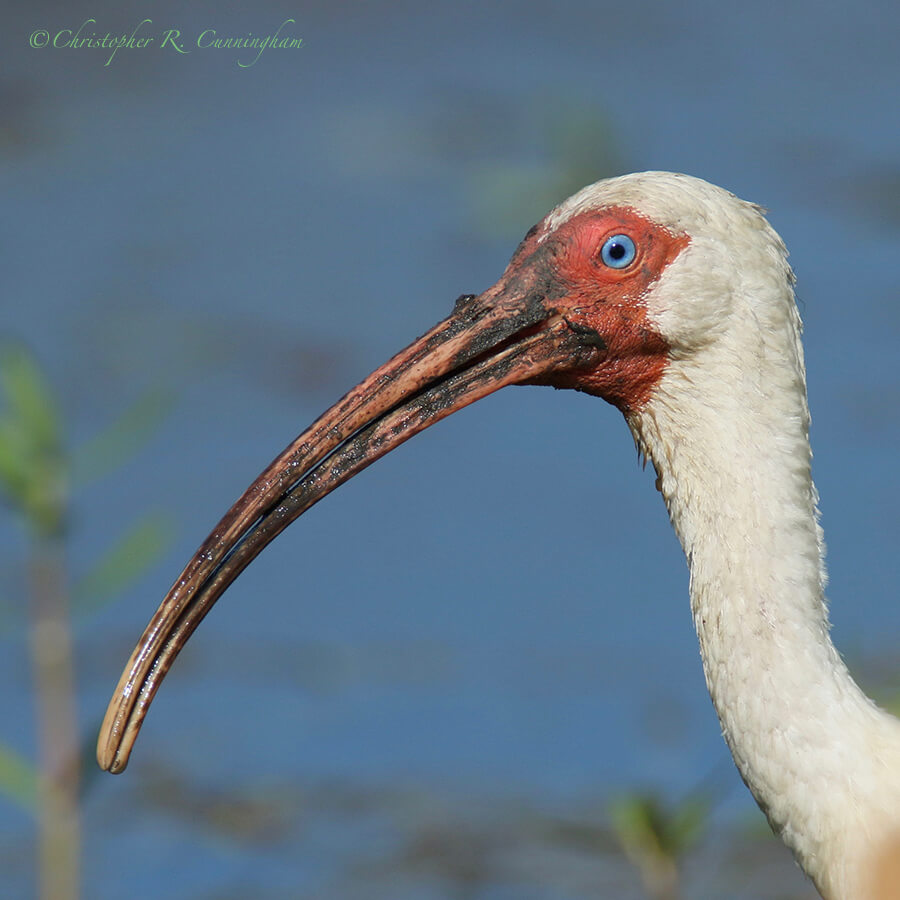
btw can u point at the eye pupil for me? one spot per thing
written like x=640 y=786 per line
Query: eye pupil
x=618 y=251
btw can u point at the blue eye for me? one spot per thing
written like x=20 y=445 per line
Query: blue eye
x=618 y=251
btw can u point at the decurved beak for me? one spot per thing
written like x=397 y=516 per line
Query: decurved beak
x=511 y=334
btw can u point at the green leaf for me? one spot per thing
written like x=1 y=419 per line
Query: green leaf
x=13 y=460
x=635 y=819
x=125 y=437
x=29 y=397
x=126 y=561
x=18 y=778
x=644 y=821
x=33 y=470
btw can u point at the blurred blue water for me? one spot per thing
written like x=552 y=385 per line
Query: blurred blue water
x=472 y=621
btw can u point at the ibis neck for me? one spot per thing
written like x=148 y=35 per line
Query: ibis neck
x=735 y=476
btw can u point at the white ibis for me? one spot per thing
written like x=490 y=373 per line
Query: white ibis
x=671 y=299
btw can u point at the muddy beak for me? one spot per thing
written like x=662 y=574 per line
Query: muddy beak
x=512 y=334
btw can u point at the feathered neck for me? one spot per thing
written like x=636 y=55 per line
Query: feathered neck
x=729 y=440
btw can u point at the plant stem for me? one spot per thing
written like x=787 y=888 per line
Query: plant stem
x=51 y=651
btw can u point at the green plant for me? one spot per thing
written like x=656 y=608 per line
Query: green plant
x=656 y=835
x=37 y=475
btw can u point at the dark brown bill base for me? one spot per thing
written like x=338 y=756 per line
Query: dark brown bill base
x=511 y=334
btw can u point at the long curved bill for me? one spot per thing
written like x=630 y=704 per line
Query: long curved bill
x=508 y=335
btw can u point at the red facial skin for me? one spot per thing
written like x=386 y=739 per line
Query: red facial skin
x=609 y=301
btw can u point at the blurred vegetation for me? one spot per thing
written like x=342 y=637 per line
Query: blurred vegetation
x=656 y=836
x=516 y=160
x=38 y=472
x=565 y=147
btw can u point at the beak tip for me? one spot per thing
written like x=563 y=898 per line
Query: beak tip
x=111 y=759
